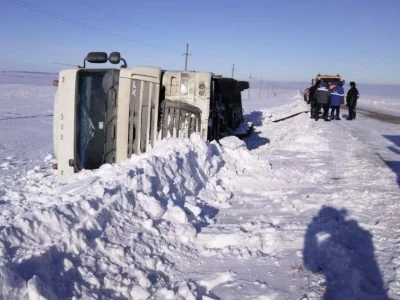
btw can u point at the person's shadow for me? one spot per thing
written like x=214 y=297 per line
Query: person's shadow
x=342 y=251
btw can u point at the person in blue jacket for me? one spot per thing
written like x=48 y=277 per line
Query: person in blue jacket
x=337 y=98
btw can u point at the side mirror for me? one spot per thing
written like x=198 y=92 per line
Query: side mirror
x=95 y=58
x=115 y=58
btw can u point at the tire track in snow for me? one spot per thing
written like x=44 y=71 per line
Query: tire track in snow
x=385 y=226
x=381 y=116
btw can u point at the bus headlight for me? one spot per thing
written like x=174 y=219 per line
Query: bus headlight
x=184 y=83
x=202 y=89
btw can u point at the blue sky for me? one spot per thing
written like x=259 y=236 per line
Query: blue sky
x=289 y=40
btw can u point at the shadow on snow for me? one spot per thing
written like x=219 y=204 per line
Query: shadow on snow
x=255 y=140
x=394 y=165
x=344 y=253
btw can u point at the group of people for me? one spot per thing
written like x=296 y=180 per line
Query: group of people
x=325 y=97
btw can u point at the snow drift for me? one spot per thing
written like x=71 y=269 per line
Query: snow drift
x=117 y=231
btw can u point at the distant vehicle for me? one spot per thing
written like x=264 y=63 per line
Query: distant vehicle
x=329 y=79
x=105 y=115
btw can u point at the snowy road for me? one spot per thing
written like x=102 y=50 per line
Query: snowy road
x=381 y=132
x=382 y=115
x=311 y=210
x=316 y=164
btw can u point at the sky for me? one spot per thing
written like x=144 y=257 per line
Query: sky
x=288 y=40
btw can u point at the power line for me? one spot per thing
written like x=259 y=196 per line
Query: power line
x=107 y=13
x=81 y=24
x=118 y=17
x=63 y=64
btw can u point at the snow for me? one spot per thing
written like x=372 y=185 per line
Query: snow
x=299 y=210
x=25 y=126
x=27 y=78
x=255 y=99
x=380 y=97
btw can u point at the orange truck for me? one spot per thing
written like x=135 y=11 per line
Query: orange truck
x=329 y=79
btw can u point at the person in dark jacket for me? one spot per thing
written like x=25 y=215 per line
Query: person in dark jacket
x=311 y=99
x=351 y=100
x=337 y=98
x=322 y=99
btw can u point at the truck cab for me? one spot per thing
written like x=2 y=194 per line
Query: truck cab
x=84 y=121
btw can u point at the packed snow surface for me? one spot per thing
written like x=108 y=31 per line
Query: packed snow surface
x=299 y=210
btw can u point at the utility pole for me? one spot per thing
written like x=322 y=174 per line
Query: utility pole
x=233 y=69
x=261 y=85
x=186 y=55
x=250 y=83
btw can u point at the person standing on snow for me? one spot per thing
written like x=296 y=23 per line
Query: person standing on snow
x=351 y=100
x=311 y=99
x=337 y=98
x=322 y=99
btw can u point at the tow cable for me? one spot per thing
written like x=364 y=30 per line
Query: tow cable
x=291 y=116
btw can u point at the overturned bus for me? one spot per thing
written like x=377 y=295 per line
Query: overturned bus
x=105 y=115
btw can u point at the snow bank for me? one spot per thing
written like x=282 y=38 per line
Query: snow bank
x=266 y=98
x=287 y=134
x=117 y=231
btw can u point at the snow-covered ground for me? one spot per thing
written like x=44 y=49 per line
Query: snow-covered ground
x=384 y=98
x=299 y=210
x=26 y=116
